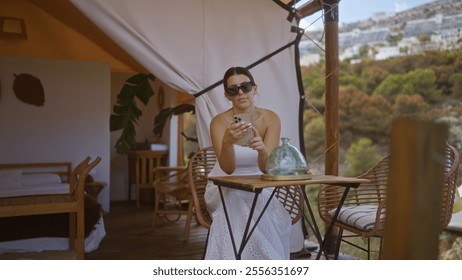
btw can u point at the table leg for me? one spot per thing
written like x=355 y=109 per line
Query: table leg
x=228 y=222
x=246 y=235
x=313 y=225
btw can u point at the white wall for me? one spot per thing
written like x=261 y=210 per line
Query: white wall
x=73 y=123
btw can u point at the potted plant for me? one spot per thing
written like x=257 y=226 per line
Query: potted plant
x=126 y=113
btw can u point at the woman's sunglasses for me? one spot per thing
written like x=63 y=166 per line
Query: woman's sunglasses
x=234 y=90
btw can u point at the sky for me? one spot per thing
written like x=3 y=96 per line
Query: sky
x=356 y=10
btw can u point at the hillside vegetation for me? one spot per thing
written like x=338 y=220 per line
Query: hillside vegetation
x=372 y=94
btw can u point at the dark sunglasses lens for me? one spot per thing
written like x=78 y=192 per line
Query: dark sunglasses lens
x=246 y=87
x=234 y=90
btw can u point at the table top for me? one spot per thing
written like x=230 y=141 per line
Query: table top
x=252 y=182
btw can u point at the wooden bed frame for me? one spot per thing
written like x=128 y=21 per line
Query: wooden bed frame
x=63 y=169
x=72 y=202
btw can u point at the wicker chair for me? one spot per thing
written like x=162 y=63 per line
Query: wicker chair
x=363 y=212
x=450 y=185
x=201 y=164
x=172 y=195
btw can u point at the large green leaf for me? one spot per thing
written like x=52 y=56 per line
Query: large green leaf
x=126 y=113
x=144 y=92
x=165 y=114
x=161 y=119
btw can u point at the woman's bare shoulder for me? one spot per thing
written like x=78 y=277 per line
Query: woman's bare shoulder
x=221 y=118
x=269 y=114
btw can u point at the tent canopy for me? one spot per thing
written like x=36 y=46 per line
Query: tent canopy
x=191 y=48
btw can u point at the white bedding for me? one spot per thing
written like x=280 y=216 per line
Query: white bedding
x=56 y=188
x=14 y=183
x=54 y=243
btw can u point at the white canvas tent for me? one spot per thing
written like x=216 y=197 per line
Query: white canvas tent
x=189 y=45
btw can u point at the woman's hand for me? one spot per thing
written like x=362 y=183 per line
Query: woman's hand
x=256 y=143
x=236 y=131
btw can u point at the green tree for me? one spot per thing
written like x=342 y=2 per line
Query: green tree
x=458 y=62
x=456 y=84
x=424 y=38
x=314 y=135
x=363 y=115
x=410 y=106
x=390 y=87
x=393 y=40
x=419 y=81
x=373 y=76
x=423 y=82
x=364 y=51
x=353 y=80
x=404 y=50
x=443 y=72
x=314 y=84
x=360 y=157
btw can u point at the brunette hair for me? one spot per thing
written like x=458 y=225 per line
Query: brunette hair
x=236 y=71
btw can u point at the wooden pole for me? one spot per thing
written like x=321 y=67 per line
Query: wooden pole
x=180 y=148
x=414 y=190
x=331 y=98
x=332 y=80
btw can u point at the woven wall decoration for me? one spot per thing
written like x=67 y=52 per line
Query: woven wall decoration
x=29 y=89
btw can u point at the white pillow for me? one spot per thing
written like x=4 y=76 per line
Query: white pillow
x=40 y=179
x=10 y=178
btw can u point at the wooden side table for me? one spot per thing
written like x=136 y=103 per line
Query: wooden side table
x=94 y=188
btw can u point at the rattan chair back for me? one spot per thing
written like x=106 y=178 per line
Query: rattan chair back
x=200 y=165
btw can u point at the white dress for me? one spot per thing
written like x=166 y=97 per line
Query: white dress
x=271 y=238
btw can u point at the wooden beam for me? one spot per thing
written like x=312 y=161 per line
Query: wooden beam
x=68 y=14
x=332 y=101
x=332 y=79
x=414 y=191
x=310 y=8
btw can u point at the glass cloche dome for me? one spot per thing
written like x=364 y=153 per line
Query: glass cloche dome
x=286 y=161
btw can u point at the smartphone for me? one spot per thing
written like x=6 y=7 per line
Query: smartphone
x=244 y=140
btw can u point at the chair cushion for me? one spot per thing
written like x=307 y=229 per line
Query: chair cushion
x=457 y=201
x=456 y=222
x=360 y=216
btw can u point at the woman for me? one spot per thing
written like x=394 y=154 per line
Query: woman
x=271 y=238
